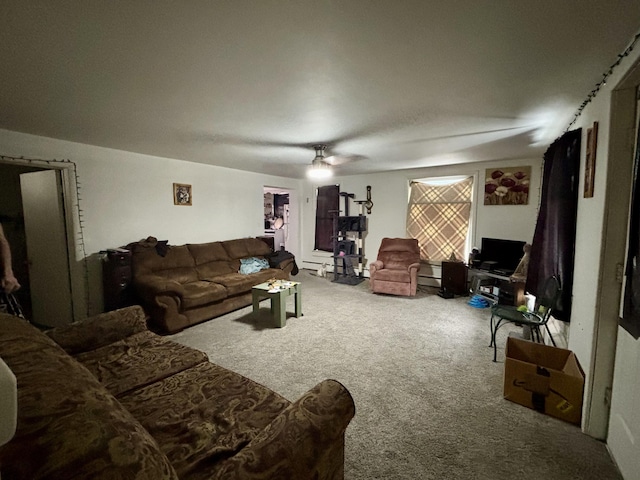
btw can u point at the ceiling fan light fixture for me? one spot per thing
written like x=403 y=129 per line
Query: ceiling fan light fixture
x=319 y=168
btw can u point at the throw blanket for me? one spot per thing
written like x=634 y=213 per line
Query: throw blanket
x=281 y=255
x=252 y=265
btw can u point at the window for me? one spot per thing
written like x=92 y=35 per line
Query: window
x=439 y=215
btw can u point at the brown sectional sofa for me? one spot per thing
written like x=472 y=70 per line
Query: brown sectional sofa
x=108 y=399
x=179 y=286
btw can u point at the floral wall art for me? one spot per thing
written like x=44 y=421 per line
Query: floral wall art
x=507 y=186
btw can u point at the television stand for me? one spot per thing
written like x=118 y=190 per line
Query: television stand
x=496 y=288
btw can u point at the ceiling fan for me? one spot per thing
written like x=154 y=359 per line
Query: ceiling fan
x=321 y=164
x=319 y=168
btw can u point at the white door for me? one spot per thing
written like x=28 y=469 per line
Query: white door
x=47 y=252
x=624 y=421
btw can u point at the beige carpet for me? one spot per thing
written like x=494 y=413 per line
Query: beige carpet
x=428 y=397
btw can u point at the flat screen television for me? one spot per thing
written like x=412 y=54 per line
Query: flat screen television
x=505 y=253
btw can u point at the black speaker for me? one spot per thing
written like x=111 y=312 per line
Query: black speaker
x=352 y=224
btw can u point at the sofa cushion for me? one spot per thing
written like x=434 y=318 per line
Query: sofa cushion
x=210 y=270
x=138 y=360
x=399 y=252
x=100 y=330
x=202 y=292
x=181 y=275
x=177 y=264
x=246 y=247
x=203 y=415
x=211 y=260
x=238 y=283
x=208 y=252
x=393 y=275
x=69 y=426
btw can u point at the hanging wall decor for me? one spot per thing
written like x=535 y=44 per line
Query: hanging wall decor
x=507 y=186
x=182 y=194
x=369 y=203
x=590 y=163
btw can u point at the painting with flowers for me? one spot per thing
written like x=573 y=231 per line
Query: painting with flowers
x=507 y=186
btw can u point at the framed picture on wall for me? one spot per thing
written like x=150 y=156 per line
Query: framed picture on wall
x=182 y=194
x=590 y=163
x=507 y=186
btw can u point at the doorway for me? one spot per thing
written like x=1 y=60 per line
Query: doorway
x=12 y=219
x=279 y=218
x=46 y=296
x=617 y=361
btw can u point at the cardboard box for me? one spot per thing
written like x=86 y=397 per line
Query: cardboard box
x=545 y=378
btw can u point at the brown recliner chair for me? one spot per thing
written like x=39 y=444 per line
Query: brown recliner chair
x=396 y=269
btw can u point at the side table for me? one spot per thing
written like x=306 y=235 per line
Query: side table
x=454 y=278
x=278 y=292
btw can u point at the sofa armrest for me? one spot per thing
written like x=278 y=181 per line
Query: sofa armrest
x=305 y=441
x=287 y=264
x=100 y=330
x=377 y=265
x=414 y=266
x=149 y=286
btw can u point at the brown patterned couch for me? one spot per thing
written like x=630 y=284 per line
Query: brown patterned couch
x=108 y=399
x=179 y=286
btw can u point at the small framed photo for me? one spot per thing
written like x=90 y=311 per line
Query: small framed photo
x=182 y=194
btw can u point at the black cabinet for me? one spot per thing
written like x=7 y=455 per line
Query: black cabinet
x=454 y=278
x=116 y=279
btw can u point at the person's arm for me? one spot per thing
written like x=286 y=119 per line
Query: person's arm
x=9 y=283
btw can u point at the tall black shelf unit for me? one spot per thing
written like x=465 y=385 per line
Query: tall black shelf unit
x=348 y=253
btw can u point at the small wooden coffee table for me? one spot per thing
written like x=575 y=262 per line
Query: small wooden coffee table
x=278 y=292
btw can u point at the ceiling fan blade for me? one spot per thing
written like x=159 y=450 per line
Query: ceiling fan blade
x=248 y=142
x=242 y=141
x=336 y=160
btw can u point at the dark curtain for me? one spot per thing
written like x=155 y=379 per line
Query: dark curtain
x=630 y=320
x=552 y=250
x=327 y=207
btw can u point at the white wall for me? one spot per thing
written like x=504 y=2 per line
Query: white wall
x=613 y=354
x=390 y=194
x=600 y=250
x=126 y=197
x=589 y=238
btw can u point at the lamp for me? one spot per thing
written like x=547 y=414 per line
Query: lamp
x=8 y=403
x=319 y=168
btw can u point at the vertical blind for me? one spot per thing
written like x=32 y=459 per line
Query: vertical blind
x=438 y=216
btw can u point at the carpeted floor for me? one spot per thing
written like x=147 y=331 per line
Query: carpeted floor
x=428 y=397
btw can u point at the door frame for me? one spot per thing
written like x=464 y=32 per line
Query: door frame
x=293 y=245
x=620 y=159
x=77 y=258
